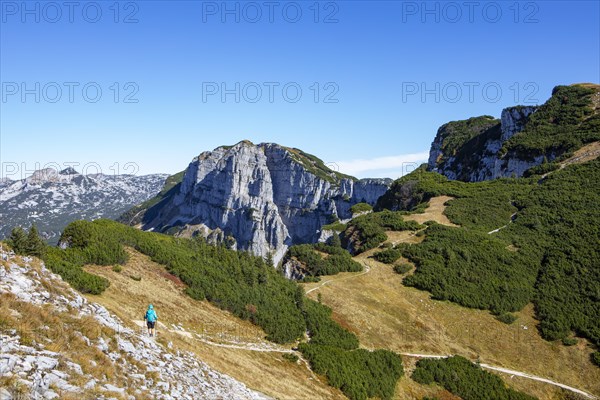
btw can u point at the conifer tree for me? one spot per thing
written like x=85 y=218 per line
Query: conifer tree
x=18 y=240
x=35 y=246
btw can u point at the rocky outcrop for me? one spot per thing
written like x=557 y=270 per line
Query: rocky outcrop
x=524 y=137
x=479 y=156
x=293 y=269
x=513 y=120
x=262 y=198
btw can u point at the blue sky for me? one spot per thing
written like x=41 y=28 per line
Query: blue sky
x=177 y=78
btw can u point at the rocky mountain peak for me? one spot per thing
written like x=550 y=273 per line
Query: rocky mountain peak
x=513 y=120
x=261 y=198
x=69 y=171
x=44 y=175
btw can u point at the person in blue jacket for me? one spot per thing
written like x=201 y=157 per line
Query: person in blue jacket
x=151 y=317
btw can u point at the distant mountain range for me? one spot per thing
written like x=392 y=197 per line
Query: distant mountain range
x=51 y=199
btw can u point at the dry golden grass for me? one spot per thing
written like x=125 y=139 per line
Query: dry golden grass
x=386 y=314
x=60 y=332
x=587 y=153
x=434 y=212
x=266 y=372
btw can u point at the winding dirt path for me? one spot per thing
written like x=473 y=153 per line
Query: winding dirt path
x=512 y=218
x=277 y=349
x=511 y=372
x=363 y=262
x=366 y=271
x=270 y=348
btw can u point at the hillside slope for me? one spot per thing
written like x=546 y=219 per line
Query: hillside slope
x=520 y=241
x=485 y=148
x=242 y=284
x=385 y=313
x=205 y=330
x=56 y=344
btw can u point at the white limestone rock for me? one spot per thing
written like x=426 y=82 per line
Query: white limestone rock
x=263 y=198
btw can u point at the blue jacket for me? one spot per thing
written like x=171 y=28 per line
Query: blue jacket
x=151 y=315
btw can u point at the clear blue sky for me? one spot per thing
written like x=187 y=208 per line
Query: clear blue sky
x=373 y=58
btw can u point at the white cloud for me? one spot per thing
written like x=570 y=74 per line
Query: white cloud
x=381 y=167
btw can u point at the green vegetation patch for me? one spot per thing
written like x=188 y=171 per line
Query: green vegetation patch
x=335 y=226
x=465 y=379
x=359 y=374
x=402 y=268
x=564 y=123
x=473 y=269
x=337 y=260
x=317 y=167
x=368 y=231
x=388 y=256
x=454 y=135
x=361 y=207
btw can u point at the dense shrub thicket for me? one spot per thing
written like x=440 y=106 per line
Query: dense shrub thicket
x=68 y=263
x=388 y=256
x=472 y=269
x=541 y=169
x=361 y=207
x=368 y=231
x=564 y=123
x=465 y=379
x=402 y=268
x=360 y=374
x=244 y=285
x=336 y=260
x=27 y=242
x=455 y=135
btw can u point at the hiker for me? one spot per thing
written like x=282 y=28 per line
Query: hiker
x=150 y=319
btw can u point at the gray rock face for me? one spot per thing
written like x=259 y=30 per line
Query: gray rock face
x=485 y=161
x=261 y=198
x=513 y=120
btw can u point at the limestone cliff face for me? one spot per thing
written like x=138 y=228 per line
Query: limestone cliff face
x=477 y=155
x=262 y=198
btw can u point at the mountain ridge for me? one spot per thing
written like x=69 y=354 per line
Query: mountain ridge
x=51 y=198
x=484 y=148
x=261 y=198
